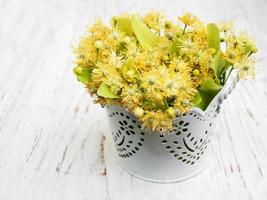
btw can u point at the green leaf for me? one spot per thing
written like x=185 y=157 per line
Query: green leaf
x=218 y=64
x=144 y=35
x=124 y=25
x=209 y=86
x=228 y=64
x=208 y=90
x=83 y=74
x=197 y=100
x=104 y=91
x=205 y=100
x=213 y=36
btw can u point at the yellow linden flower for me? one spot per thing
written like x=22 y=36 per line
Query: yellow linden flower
x=157 y=120
x=177 y=64
x=197 y=33
x=138 y=112
x=131 y=96
x=157 y=97
x=245 y=40
x=205 y=57
x=171 y=30
x=171 y=84
x=151 y=80
x=154 y=20
x=246 y=68
x=182 y=102
x=115 y=60
x=186 y=44
x=196 y=72
x=97 y=78
x=171 y=112
x=225 y=26
x=159 y=55
x=132 y=50
x=98 y=44
x=143 y=62
x=231 y=56
x=129 y=71
x=188 y=19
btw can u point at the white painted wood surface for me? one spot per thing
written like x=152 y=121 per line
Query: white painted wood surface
x=56 y=144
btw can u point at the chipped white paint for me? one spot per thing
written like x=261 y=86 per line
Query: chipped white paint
x=56 y=144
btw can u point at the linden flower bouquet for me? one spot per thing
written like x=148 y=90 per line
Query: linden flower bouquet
x=158 y=69
x=155 y=75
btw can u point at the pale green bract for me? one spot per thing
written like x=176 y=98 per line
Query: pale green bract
x=213 y=36
x=206 y=93
x=124 y=25
x=197 y=100
x=144 y=35
x=218 y=64
x=209 y=85
x=83 y=74
x=104 y=91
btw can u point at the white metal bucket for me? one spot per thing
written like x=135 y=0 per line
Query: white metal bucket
x=173 y=156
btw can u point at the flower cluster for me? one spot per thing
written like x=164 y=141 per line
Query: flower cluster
x=158 y=69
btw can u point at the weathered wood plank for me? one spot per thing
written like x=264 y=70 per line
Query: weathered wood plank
x=56 y=144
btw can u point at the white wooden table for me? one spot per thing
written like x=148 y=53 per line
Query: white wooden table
x=56 y=144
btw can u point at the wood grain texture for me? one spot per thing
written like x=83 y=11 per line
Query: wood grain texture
x=56 y=144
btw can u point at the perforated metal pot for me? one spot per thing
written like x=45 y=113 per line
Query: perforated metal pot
x=170 y=157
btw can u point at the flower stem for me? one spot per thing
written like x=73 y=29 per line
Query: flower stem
x=226 y=43
x=225 y=80
x=249 y=54
x=91 y=63
x=184 y=28
x=166 y=103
